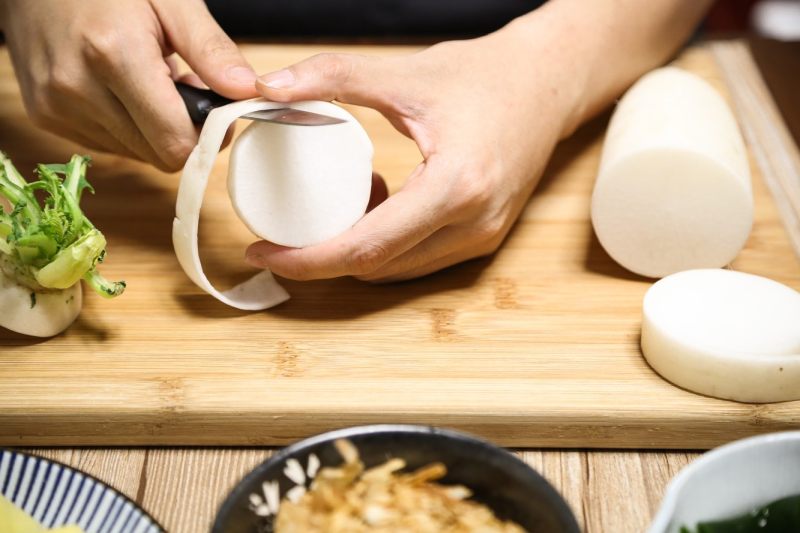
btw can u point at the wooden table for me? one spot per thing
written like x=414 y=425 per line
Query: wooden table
x=609 y=491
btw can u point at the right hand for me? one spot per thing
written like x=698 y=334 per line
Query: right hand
x=100 y=72
x=485 y=122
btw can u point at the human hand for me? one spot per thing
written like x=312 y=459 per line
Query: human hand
x=100 y=73
x=485 y=129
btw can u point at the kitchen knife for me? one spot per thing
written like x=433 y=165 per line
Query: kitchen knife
x=200 y=102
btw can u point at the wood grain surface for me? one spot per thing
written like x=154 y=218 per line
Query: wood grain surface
x=770 y=139
x=535 y=346
x=608 y=491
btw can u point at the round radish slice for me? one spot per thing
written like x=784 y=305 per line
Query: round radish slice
x=673 y=188
x=301 y=185
x=292 y=185
x=724 y=334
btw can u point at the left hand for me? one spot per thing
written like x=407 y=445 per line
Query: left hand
x=485 y=124
x=101 y=73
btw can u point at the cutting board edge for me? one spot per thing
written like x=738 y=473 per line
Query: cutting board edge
x=519 y=431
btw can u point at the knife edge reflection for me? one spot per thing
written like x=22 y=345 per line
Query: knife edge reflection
x=294 y=117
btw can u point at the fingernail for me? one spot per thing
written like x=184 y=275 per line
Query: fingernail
x=282 y=79
x=241 y=75
x=254 y=259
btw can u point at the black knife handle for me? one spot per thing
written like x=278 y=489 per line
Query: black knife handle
x=199 y=102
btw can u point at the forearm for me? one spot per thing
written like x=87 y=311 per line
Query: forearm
x=598 y=48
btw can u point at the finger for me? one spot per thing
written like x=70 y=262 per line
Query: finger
x=143 y=85
x=110 y=124
x=441 y=243
x=353 y=79
x=124 y=129
x=192 y=79
x=393 y=227
x=78 y=102
x=446 y=247
x=348 y=78
x=197 y=37
x=77 y=123
x=428 y=268
x=82 y=136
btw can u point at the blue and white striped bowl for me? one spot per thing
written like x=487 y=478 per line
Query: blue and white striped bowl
x=55 y=495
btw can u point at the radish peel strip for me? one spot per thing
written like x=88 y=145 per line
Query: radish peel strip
x=260 y=291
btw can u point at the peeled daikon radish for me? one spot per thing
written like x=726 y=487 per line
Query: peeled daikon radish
x=724 y=334
x=291 y=185
x=301 y=185
x=673 y=189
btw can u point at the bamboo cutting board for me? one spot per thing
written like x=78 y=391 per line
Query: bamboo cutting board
x=536 y=346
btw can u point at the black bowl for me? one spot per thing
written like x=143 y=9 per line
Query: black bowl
x=497 y=479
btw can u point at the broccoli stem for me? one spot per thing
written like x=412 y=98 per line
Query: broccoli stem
x=78 y=221
x=6 y=224
x=23 y=200
x=75 y=180
x=13 y=174
x=103 y=287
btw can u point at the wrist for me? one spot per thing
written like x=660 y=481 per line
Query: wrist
x=595 y=50
x=549 y=62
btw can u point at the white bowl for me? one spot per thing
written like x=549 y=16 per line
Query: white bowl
x=731 y=480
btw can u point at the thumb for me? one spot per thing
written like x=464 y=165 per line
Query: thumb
x=196 y=36
x=348 y=78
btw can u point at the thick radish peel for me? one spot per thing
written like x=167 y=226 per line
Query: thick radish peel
x=293 y=185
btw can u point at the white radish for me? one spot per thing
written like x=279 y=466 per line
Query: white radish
x=724 y=334
x=673 y=189
x=291 y=185
x=41 y=313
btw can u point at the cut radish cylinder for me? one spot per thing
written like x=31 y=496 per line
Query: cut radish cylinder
x=724 y=334
x=673 y=188
x=40 y=314
x=291 y=185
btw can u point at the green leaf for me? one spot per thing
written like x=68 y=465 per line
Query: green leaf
x=6 y=225
x=65 y=202
x=50 y=182
x=13 y=174
x=71 y=263
x=75 y=180
x=22 y=199
x=46 y=245
x=27 y=254
x=56 y=225
x=780 y=516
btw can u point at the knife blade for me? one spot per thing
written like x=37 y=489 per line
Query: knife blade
x=200 y=102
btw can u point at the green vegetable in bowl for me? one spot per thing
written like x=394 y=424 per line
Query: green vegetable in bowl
x=780 y=516
x=47 y=247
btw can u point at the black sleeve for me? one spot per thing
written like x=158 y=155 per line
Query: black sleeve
x=353 y=18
